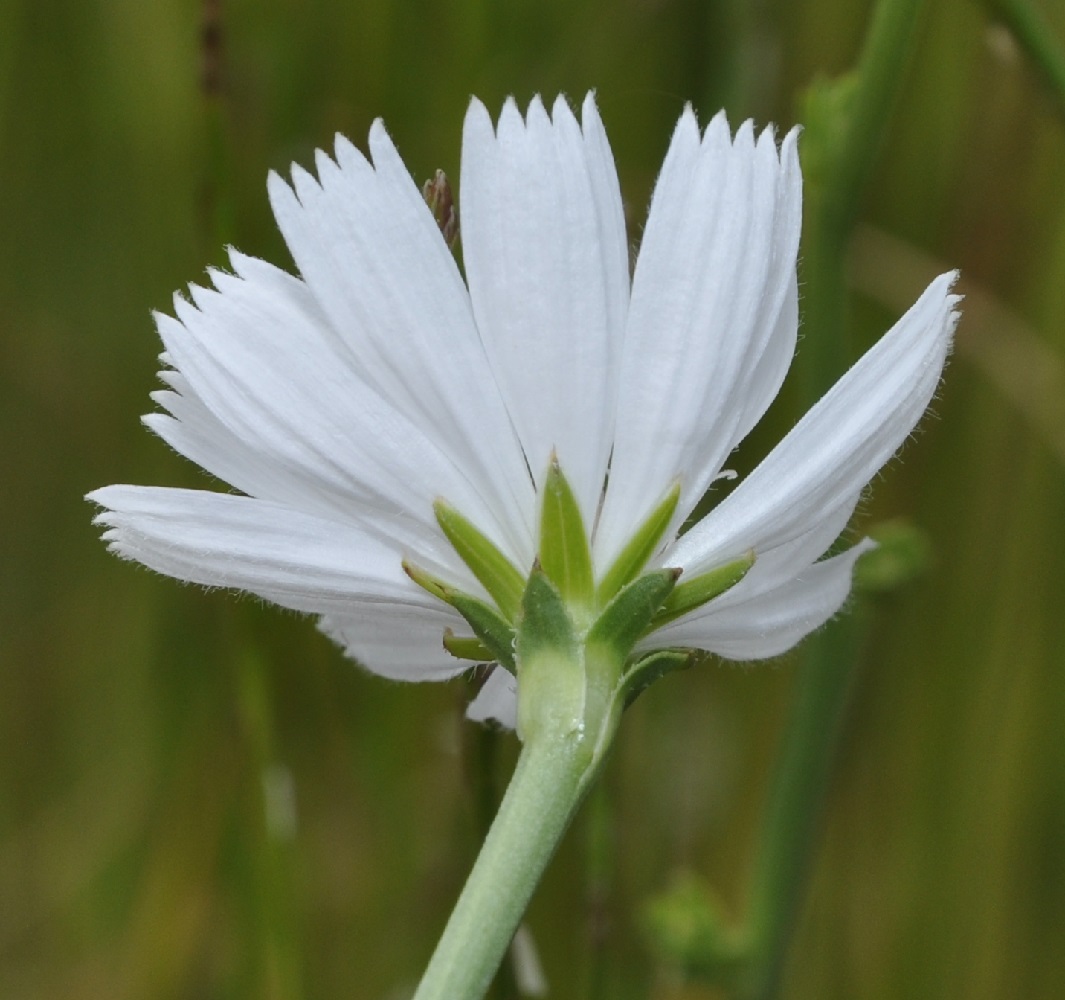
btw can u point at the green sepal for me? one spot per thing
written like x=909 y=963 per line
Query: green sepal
x=489 y=626
x=466 y=647
x=628 y=615
x=639 y=548
x=551 y=677
x=564 y=553
x=694 y=593
x=545 y=624
x=644 y=672
x=494 y=631
x=903 y=553
x=429 y=583
x=494 y=570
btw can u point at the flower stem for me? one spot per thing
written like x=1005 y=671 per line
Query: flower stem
x=789 y=829
x=544 y=792
x=481 y=756
x=848 y=124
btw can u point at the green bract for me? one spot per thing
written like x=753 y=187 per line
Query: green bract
x=569 y=639
x=564 y=553
x=492 y=569
x=633 y=557
x=705 y=587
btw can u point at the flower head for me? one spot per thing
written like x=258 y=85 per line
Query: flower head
x=412 y=448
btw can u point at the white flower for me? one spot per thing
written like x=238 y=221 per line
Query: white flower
x=343 y=403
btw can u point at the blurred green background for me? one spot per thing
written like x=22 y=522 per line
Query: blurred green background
x=199 y=798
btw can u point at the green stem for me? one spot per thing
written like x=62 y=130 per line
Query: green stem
x=481 y=755
x=790 y=827
x=1035 y=37
x=572 y=688
x=879 y=74
x=850 y=120
x=544 y=792
x=846 y=126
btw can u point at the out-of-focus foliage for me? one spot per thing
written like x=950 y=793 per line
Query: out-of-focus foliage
x=200 y=798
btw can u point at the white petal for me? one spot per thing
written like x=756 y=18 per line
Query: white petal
x=289 y=557
x=192 y=430
x=713 y=318
x=776 y=566
x=772 y=622
x=768 y=372
x=398 y=641
x=261 y=359
x=547 y=263
x=370 y=251
x=835 y=449
x=497 y=700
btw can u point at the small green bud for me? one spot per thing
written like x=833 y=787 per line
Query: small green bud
x=688 y=930
x=902 y=554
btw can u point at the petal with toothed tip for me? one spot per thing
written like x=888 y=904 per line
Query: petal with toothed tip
x=712 y=323
x=547 y=263
x=295 y=559
x=822 y=465
x=372 y=256
x=264 y=363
